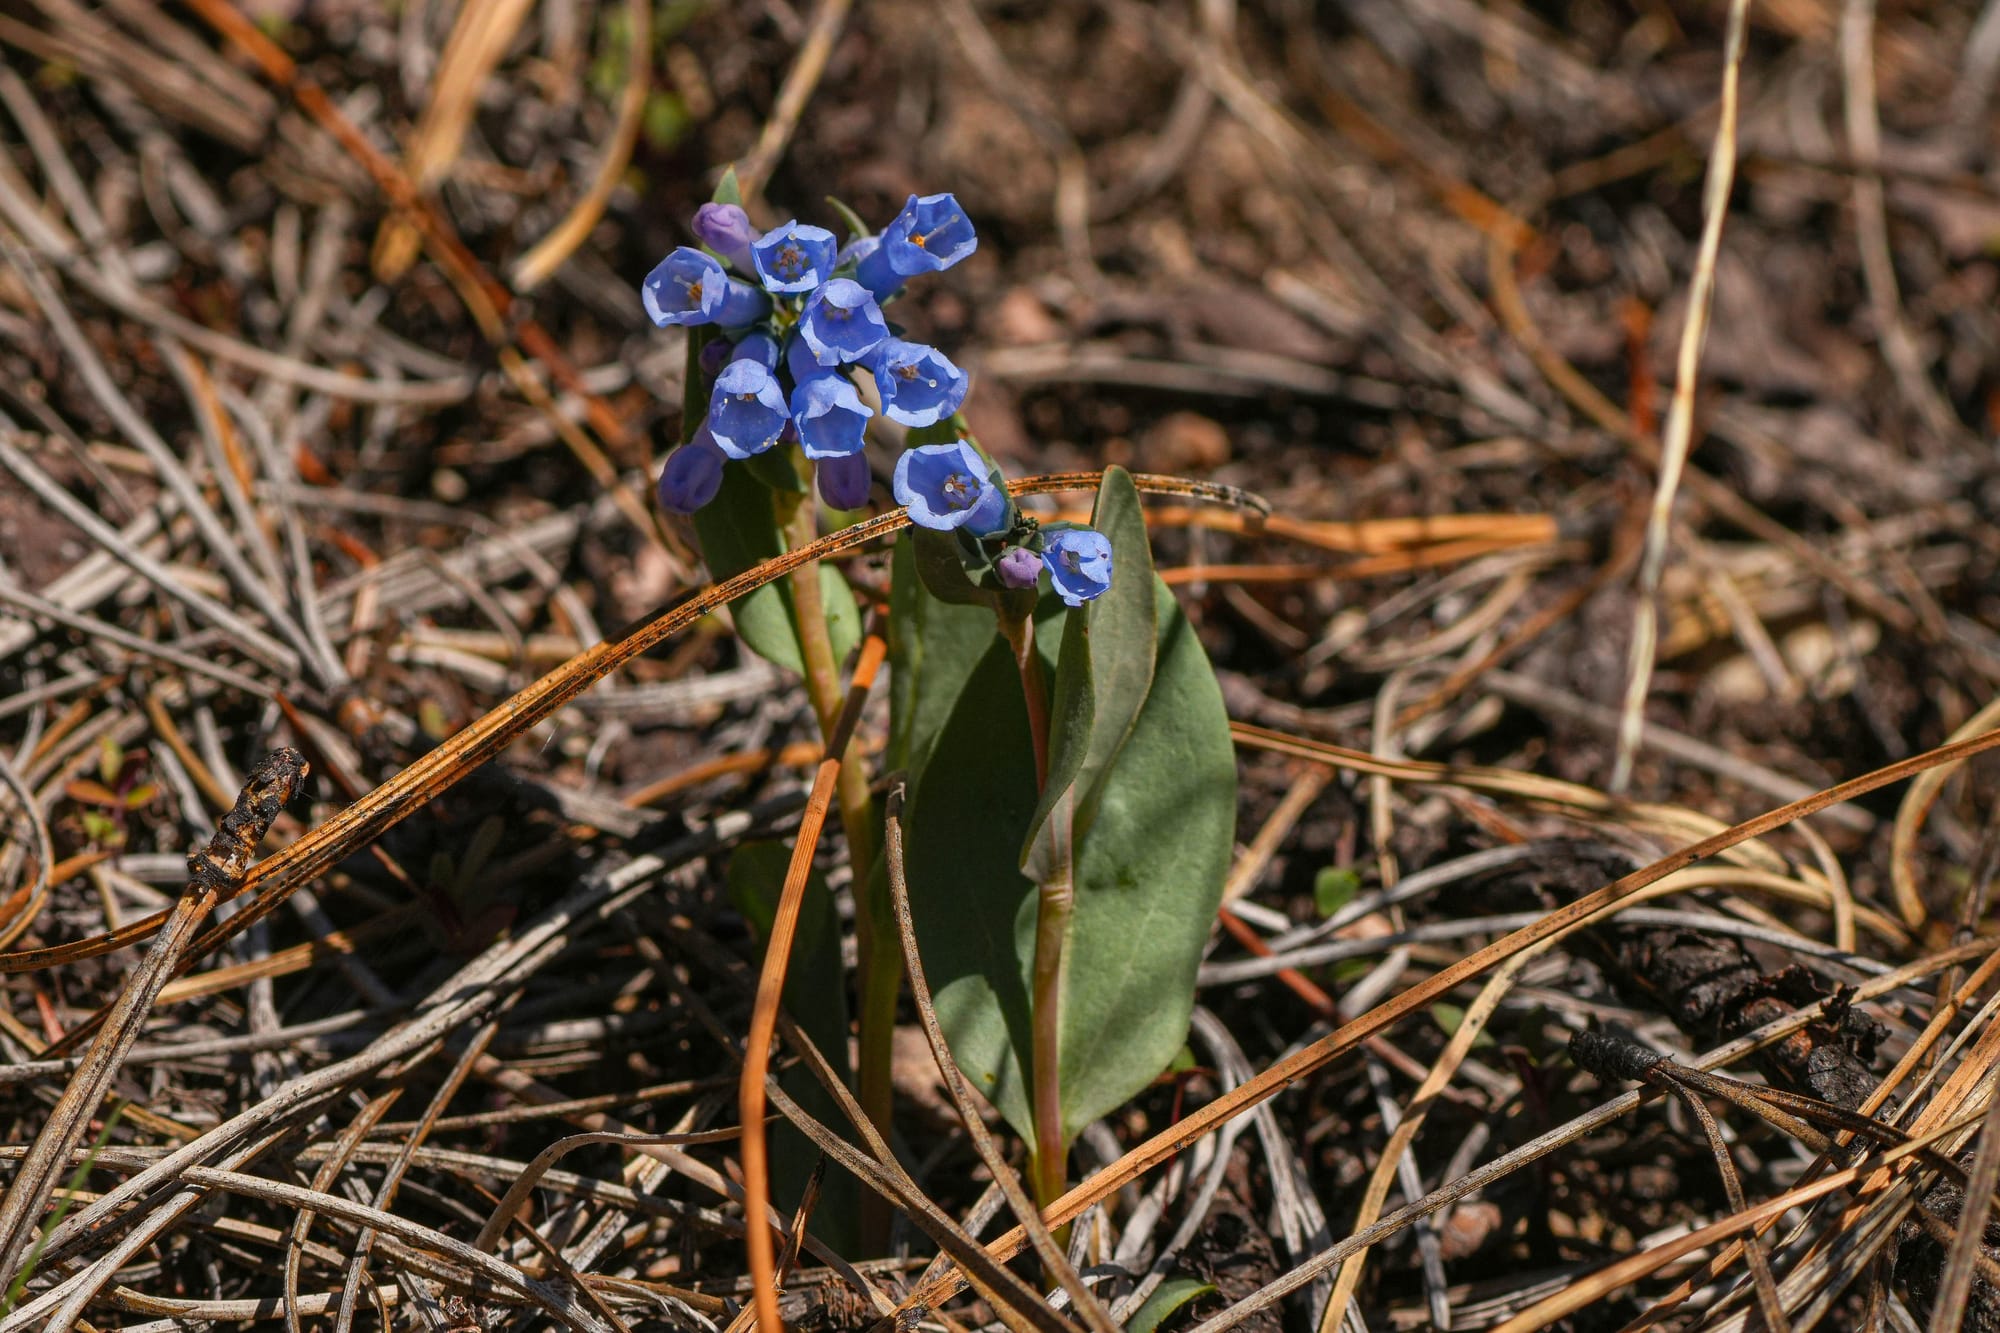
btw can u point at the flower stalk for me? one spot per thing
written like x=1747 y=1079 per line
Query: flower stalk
x=1055 y=906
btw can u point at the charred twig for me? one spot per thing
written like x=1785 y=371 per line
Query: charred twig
x=1711 y=985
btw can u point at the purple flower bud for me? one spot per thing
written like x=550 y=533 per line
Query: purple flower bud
x=693 y=474
x=715 y=355
x=794 y=258
x=760 y=347
x=726 y=229
x=843 y=481
x=689 y=287
x=931 y=234
x=830 y=416
x=747 y=410
x=1018 y=567
x=1079 y=563
x=841 y=323
x=919 y=386
x=946 y=486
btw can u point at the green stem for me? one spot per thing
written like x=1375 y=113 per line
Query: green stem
x=880 y=961
x=1056 y=903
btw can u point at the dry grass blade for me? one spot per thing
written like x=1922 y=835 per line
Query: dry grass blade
x=1481 y=1177
x=22 y=905
x=490 y=304
x=1920 y=1050
x=480 y=36
x=771 y=989
x=1678 y=438
x=1217 y=239
x=1911 y=813
x=507 y=1210
x=1963 y=1259
x=1636 y=1266
x=829 y=16
x=534 y=268
x=1631 y=1061
x=214 y=873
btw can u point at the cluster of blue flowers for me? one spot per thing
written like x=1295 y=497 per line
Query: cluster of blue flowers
x=782 y=374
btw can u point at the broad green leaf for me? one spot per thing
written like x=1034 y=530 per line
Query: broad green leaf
x=1112 y=664
x=1124 y=625
x=1150 y=871
x=738 y=529
x=1149 y=875
x=1168 y=1297
x=933 y=648
x=816 y=997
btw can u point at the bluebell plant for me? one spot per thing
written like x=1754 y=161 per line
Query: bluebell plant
x=783 y=372
x=794 y=367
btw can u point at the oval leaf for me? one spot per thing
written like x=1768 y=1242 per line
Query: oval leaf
x=933 y=648
x=1149 y=877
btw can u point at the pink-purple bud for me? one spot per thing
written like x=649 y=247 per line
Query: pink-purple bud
x=1018 y=567
x=726 y=229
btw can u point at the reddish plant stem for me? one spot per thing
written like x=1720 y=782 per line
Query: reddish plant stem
x=1055 y=907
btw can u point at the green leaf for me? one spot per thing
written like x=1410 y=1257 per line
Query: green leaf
x=738 y=530
x=1450 y=1017
x=664 y=121
x=1071 y=716
x=727 y=191
x=774 y=467
x=1107 y=656
x=1123 y=631
x=816 y=997
x=856 y=228
x=940 y=432
x=1149 y=876
x=941 y=567
x=1169 y=1296
x=1334 y=888
x=933 y=647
